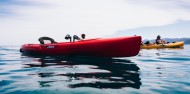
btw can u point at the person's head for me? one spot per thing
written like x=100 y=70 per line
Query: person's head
x=158 y=37
x=83 y=36
x=68 y=37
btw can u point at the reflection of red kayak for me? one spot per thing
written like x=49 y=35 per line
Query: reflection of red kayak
x=110 y=47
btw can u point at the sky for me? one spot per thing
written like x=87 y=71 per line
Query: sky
x=24 y=21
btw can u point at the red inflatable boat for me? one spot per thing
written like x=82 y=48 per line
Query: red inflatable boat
x=110 y=47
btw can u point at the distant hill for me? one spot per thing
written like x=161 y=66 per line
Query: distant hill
x=186 y=40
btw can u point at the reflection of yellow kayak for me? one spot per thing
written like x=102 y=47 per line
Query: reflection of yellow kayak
x=156 y=46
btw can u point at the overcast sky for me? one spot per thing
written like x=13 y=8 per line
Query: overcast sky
x=24 y=21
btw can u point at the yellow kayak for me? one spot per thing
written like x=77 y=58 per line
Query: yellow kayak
x=157 y=46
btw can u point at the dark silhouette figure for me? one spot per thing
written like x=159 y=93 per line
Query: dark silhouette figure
x=75 y=37
x=83 y=36
x=68 y=37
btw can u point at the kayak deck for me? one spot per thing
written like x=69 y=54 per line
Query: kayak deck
x=108 y=47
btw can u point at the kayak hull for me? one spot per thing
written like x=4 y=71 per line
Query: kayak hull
x=170 y=45
x=110 y=47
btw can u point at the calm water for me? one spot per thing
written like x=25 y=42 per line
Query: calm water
x=163 y=71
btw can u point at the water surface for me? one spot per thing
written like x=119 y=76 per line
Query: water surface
x=156 y=71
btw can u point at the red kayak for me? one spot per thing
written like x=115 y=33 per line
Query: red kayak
x=110 y=47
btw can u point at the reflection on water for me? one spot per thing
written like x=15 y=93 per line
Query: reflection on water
x=95 y=72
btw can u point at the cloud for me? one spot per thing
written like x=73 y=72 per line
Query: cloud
x=10 y=7
x=96 y=18
x=163 y=4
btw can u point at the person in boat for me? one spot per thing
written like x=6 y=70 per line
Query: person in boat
x=68 y=37
x=43 y=39
x=148 y=43
x=75 y=37
x=159 y=40
x=83 y=36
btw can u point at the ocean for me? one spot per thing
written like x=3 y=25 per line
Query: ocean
x=153 y=71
